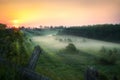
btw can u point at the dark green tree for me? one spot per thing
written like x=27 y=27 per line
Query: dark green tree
x=2 y=26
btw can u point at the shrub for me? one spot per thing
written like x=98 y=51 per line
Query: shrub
x=108 y=57
x=70 y=48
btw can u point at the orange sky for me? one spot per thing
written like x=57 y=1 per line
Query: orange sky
x=59 y=12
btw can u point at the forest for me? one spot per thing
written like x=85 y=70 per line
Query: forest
x=106 y=32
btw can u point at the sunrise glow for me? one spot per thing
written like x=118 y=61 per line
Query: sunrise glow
x=15 y=23
x=58 y=12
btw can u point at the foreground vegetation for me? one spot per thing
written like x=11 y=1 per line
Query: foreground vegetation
x=13 y=49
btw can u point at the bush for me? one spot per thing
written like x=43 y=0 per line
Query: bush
x=70 y=48
x=108 y=57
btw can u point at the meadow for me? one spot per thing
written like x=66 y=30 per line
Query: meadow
x=59 y=64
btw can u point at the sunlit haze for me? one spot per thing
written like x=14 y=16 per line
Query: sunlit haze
x=59 y=12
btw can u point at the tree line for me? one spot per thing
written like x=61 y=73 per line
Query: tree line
x=106 y=32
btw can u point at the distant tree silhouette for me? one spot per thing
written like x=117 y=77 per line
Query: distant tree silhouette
x=3 y=26
x=107 y=32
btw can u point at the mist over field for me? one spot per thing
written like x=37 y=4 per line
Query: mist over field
x=66 y=56
x=57 y=42
x=60 y=53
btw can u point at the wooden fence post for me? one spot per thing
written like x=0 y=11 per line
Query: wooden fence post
x=34 y=58
x=91 y=74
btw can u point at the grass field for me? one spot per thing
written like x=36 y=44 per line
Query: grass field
x=67 y=66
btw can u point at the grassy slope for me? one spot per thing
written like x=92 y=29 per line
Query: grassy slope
x=71 y=66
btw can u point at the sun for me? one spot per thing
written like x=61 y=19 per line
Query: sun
x=16 y=23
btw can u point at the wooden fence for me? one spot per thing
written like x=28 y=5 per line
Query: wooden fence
x=28 y=72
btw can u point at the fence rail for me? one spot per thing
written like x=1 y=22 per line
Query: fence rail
x=28 y=72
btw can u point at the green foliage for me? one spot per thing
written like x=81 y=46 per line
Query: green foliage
x=108 y=57
x=71 y=47
x=107 y=32
x=13 y=48
x=12 y=45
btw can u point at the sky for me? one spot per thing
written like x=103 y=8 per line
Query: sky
x=33 y=13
